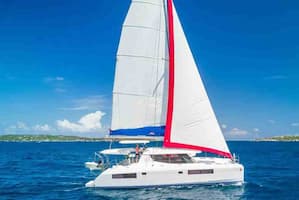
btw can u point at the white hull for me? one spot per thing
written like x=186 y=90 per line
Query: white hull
x=154 y=174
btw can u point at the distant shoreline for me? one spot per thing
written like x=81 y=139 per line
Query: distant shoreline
x=285 y=138
x=64 y=138
x=47 y=138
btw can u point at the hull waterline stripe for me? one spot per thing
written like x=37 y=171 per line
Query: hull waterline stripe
x=171 y=46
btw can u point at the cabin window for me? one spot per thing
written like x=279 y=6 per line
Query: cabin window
x=172 y=158
x=131 y=175
x=201 y=171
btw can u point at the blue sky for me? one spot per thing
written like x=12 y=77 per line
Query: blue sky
x=57 y=64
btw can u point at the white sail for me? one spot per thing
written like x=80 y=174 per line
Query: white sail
x=140 y=87
x=194 y=124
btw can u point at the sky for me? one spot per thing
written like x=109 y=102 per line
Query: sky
x=57 y=62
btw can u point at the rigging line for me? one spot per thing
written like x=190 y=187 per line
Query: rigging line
x=158 y=83
x=157 y=66
x=166 y=66
x=115 y=100
x=191 y=124
x=131 y=94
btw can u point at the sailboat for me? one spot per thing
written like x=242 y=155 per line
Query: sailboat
x=158 y=93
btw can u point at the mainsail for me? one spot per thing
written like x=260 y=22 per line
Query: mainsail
x=140 y=86
x=157 y=83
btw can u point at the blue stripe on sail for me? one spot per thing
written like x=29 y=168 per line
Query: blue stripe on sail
x=144 y=131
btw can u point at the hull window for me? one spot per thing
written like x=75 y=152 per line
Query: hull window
x=201 y=171
x=131 y=175
x=172 y=158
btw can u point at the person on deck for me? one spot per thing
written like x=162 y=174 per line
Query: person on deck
x=137 y=153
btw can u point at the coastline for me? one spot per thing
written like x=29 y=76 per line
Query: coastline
x=64 y=138
x=47 y=138
x=284 y=138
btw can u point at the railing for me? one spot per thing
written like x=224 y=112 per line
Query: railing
x=236 y=158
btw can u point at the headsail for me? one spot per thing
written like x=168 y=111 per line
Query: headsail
x=156 y=75
x=140 y=87
x=191 y=122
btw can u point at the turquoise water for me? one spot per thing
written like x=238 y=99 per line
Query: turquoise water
x=56 y=171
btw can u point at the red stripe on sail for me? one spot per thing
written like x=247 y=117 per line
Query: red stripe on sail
x=171 y=73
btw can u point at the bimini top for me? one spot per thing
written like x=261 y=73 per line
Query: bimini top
x=134 y=142
x=150 y=151
x=125 y=138
x=122 y=151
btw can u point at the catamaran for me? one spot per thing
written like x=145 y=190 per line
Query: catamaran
x=158 y=93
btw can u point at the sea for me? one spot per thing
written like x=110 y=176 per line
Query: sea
x=55 y=170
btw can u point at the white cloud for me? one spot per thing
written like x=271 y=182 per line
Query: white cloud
x=87 y=123
x=51 y=79
x=295 y=124
x=271 y=121
x=237 y=132
x=89 y=103
x=256 y=130
x=59 y=78
x=223 y=126
x=56 y=83
x=44 y=128
x=21 y=125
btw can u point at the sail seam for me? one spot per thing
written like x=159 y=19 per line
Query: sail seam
x=197 y=121
x=140 y=1
x=146 y=57
x=131 y=94
x=143 y=27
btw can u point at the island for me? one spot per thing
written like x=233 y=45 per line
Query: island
x=285 y=138
x=47 y=138
x=66 y=138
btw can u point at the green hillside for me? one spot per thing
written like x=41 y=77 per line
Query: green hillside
x=286 y=138
x=45 y=138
